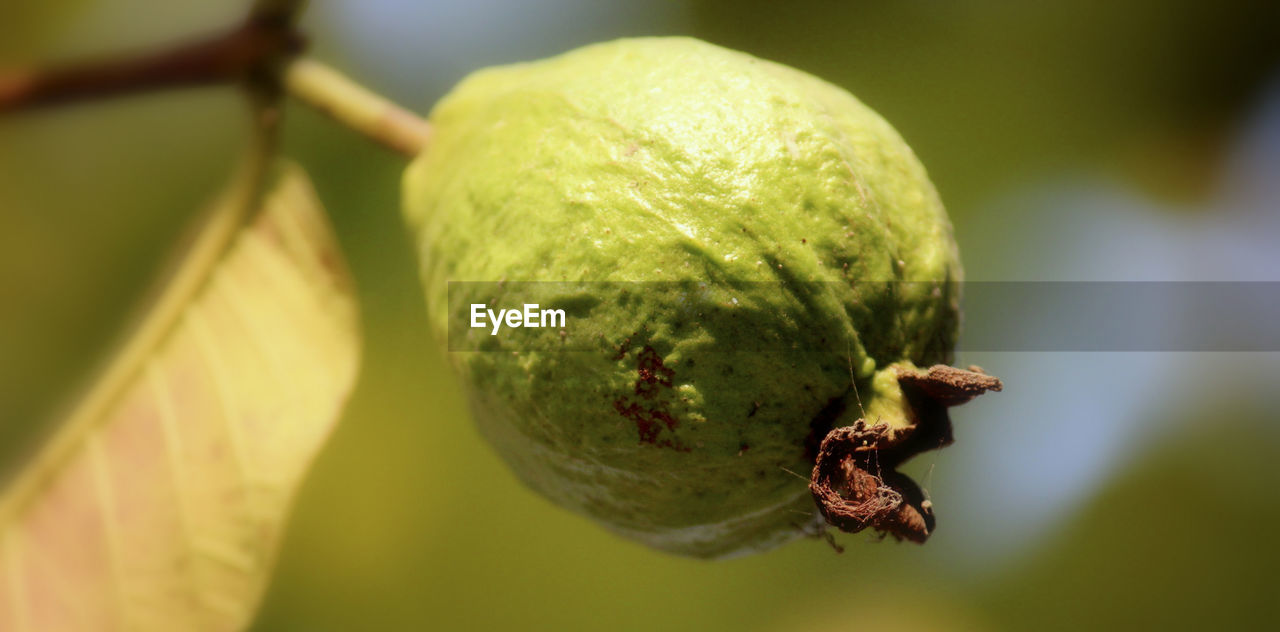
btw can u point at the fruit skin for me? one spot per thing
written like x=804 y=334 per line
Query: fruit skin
x=683 y=416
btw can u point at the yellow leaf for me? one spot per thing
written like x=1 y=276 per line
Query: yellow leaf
x=160 y=502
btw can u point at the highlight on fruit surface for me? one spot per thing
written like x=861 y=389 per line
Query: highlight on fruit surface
x=758 y=280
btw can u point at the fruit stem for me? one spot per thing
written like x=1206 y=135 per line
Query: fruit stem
x=357 y=107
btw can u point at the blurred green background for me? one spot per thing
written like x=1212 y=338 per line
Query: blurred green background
x=1070 y=140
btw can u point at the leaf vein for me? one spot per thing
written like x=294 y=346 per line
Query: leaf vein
x=228 y=399
x=173 y=447
x=105 y=494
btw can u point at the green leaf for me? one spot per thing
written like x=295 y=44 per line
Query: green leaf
x=160 y=502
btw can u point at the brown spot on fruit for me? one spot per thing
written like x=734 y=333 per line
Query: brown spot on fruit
x=646 y=409
x=622 y=349
x=649 y=421
x=652 y=373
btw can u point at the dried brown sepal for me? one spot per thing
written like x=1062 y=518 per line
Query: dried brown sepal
x=855 y=481
x=948 y=385
x=854 y=492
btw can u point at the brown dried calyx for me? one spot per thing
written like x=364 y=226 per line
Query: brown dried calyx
x=855 y=479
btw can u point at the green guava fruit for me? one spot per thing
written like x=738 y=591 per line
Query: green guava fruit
x=751 y=264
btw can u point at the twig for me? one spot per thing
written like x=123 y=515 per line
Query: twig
x=257 y=54
x=232 y=56
x=356 y=107
x=282 y=11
